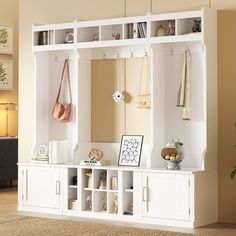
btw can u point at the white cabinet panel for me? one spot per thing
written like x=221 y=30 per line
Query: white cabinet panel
x=42 y=187
x=166 y=196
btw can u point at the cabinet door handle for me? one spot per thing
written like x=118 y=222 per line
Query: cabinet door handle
x=58 y=187
x=145 y=193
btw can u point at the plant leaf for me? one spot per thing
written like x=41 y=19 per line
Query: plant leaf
x=233 y=173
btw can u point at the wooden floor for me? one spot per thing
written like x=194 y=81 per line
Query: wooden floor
x=8 y=205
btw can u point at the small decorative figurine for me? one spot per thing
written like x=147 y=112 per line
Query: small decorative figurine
x=104 y=203
x=197 y=25
x=173 y=154
x=171 y=28
x=103 y=180
x=116 y=35
x=69 y=37
x=161 y=31
x=90 y=180
x=95 y=154
x=89 y=202
x=115 y=204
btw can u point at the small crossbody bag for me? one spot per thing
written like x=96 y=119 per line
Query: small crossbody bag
x=63 y=112
x=143 y=100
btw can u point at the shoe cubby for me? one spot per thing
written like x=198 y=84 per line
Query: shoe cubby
x=87 y=200
x=127 y=193
x=112 y=180
x=100 y=180
x=113 y=203
x=73 y=200
x=100 y=201
x=87 y=179
x=88 y=34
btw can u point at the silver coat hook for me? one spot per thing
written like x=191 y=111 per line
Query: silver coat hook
x=131 y=53
x=104 y=55
x=146 y=52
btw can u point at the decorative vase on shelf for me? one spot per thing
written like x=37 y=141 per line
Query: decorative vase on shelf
x=173 y=154
x=171 y=28
x=161 y=31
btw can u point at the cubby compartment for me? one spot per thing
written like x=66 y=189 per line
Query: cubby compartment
x=135 y=30
x=127 y=193
x=87 y=179
x=72 y=178
x=64 y=36
x=111 y=32
x=127 y=181
x=113 y=203
x=162 y=28
x=73 y=201
x=88 y=34
x=100 y=180
x=87 y=200
x=100 y=202
x=128 y=31
x=188 y=26
x=46 y=37
x=112 y=180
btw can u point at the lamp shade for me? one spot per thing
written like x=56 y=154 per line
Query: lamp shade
x=8 y=106
x=4 y=106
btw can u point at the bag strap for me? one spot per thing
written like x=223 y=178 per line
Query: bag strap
x=145 y=57
x=65 y=67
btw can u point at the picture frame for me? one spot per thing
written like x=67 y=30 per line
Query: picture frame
x=6 y=74
x=6 y=39
x=130 y=150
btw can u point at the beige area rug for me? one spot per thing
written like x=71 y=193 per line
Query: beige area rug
x=14 y=225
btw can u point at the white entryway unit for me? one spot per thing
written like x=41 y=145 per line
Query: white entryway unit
x=186 y=197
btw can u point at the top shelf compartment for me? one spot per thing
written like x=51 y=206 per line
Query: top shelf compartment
x=162 y=28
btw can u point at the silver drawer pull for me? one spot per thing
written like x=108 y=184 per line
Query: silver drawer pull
x=145 y=191
x=58 y=187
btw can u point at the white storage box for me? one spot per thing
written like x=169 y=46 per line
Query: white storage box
x=58 y=152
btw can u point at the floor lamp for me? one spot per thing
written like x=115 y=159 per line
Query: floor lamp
x=4 y=106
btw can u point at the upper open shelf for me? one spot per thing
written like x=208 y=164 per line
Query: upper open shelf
x=154 y=29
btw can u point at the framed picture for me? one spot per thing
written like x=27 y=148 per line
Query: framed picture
x=6 y=74
x=130 y=150
x=6 y=39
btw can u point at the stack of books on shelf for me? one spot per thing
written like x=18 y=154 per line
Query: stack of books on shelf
x=40 y=159
x=46 y=37
x=142 y=32
x=95 y=162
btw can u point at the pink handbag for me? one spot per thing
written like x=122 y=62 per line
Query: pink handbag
x=63 y=112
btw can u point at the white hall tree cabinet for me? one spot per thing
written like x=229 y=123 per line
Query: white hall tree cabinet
x=166 y=196
x=41 y=189
x=154 y=194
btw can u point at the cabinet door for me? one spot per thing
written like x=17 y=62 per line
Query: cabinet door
x=42 y=187
x=166 y=196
